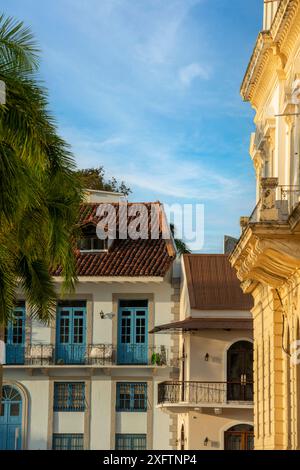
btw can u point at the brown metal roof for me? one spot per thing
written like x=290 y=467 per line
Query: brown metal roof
x=213 y=284
x=192 y=323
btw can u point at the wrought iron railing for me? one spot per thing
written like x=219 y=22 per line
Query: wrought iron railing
x=92 y=354
x=286 y=200
x=195 y=392
x=290 y=194
x=254 y=217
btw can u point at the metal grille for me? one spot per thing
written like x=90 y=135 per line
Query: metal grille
x=131 y=396
x=130 y=441
x=69 y=396
x=67 y=442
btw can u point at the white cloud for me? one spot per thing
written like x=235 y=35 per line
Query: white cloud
x=192 y=71
x=155 y=168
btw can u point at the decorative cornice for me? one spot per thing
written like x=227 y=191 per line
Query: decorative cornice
x=268 y=45
x=270 y=261
x=257 y=62
x=283 y=19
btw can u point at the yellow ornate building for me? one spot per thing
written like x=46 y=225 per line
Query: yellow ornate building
x=267 y=257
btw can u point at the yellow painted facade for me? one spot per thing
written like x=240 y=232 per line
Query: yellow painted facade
x=267 y=257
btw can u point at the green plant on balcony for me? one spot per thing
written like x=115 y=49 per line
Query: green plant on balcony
x=156 y=359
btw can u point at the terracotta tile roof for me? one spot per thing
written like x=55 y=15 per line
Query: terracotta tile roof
x=213 y=284
x=125 y=257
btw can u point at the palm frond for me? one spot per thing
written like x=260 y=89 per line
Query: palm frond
x=18 y=49
x=7 y=285
x=38 y=286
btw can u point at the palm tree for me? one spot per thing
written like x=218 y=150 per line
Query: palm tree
x=39 y=190
x=181 y=246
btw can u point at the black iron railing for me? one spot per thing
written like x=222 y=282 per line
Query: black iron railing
x=254 y=217
x=195 y=392
x=290 y=196
x=92 y=354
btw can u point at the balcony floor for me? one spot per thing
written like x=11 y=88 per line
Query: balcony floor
x=182 y=407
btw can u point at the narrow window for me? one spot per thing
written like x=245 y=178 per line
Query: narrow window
x=67 y=442
x=131 y=396
x=69 y=396
x=130 y=441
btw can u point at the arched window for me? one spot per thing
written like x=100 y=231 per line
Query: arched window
x=240 y=371
x=11 y=419
x=239 y=437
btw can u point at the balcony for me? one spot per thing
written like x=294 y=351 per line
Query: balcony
x=276 y=204
x=103 y=355
x=268 y=249
x=205 y=394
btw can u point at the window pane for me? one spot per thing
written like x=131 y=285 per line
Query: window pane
x=130 y=441
x=67 y=442
x=14 y=409
x=133 y=303
x=131 y=396
x=85 y=244
x=99 y=244
x=69 y=396
x=139 y=397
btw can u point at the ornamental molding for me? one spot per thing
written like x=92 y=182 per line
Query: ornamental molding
x=257 y=62
x=269 y=261
x=276 y=42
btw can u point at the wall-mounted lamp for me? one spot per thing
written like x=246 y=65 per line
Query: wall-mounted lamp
x=103 y=315
x=206 y=440
x=206 y=357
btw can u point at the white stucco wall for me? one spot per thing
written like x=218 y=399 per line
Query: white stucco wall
x=131 y=423
x=101 y=408
x=215 y=343
x=68 y=422
x=199 y=426
x=161 y=423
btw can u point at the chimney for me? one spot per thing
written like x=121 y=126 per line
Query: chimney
x=270 y=8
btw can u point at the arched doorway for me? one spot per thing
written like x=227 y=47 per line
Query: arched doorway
x=239 y=437
x=11 y=419
x=240 y=371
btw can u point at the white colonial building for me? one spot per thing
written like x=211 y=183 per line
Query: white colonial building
x=89 y=379
x=212 y=402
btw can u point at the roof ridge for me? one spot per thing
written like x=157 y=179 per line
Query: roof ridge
x=187 y=255
x=119 y=202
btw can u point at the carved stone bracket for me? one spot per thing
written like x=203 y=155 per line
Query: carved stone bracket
x=269 y=261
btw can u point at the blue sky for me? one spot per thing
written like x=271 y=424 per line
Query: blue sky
x=150 y=90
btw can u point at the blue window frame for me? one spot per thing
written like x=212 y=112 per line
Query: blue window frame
x=69 y=396
x=15 y=336
x=67 y=442
x=131 y=441
x=133 y=332
x=131 y=396
x=71 y=333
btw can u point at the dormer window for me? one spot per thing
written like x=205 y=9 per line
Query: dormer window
x=89 y=242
